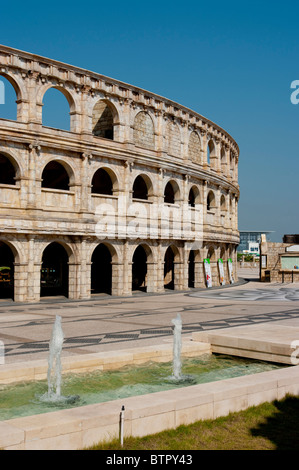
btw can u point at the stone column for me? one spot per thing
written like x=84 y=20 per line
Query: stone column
x=204 y=149
x=160 y=269
x=85 y=271
x=33 y=271
x=117 y=279
x=127 y=271
x=34 y=151
x=74 y=280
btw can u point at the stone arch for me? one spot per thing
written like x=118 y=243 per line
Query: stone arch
x=9 y=98
x=104 y=117
x=222 y=156
x=144 y=130
x=211 y=253
x=104 y=181
x=211 y=150
x=171 y=192
x=222 y=203
x=211 y=200
x=55 y=270
x=71 y=105
x=232 y=165
x=9 y=270
x=173 y=139
x=193 y=196
x=141 y=275
x=15 y=84
x=172 y=273
x=57 y=174
x=194 y=147
x=101 y=268
x=113 y=284
x=142 y=187
x=222 y=252
x=9 y=169
x=191 y=269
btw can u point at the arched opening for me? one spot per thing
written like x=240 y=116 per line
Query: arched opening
x=55 y=176
x=169 y=269
x=102 y=120
x=7 y=260
x=140 y=190
x=232 y=165
x=7 y=171
x=171 y=192
x=193 y=197
x=210 y=150
x=56 y=109
x=55 y=271
x=191 y=269
x=222 y=156
x=211 y=254
x=102 y=183
x=139 y=269
x=210 y=200
x=222 y=203
x=8 y=99
x=101 y=270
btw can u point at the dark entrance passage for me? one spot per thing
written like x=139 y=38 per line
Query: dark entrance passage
x=191 y=270
x=169 y=269
x=139 y=269
x=54 y=272
x=101 y=270
x=6 y=272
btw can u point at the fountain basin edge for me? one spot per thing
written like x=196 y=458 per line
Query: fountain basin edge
x=81 y=427
x=78 y=428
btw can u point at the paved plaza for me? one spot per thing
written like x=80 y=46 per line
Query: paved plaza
x=113 y=323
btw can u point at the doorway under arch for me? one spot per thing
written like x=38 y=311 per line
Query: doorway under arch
x=101 y=270
x=169 y=274
x=7 y=260
x=139 y=269
x=191 y=269
x=55 y=271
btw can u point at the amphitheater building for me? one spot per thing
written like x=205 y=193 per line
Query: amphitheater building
x=140 y=194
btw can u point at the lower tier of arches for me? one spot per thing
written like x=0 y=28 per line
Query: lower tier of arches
x=37 y=266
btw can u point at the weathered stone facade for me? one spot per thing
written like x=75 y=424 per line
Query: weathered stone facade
x=143 y=221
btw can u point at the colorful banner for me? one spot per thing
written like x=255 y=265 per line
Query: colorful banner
x=208 y=273
x=230 y=270
x=221 y=272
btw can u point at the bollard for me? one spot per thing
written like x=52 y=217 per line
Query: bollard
x=122 y=418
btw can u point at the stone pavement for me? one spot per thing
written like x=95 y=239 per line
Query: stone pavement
x=115 y=323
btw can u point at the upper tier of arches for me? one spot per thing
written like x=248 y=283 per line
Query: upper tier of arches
x=104 y=108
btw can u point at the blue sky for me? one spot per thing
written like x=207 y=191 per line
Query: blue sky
x=233 y=62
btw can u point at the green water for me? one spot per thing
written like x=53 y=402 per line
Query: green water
x=24 y=399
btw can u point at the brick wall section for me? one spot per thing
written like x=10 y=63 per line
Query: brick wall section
x=144 y=131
